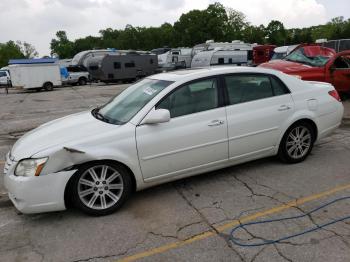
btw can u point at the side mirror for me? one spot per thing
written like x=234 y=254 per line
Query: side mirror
x=157 y=116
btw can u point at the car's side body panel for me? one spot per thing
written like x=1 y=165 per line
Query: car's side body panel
x=185 y=142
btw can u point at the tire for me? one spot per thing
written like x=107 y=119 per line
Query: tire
x=92 y=193
x=297 y=143
x=82 y=81
x=48 y=86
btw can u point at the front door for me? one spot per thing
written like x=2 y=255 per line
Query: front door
x=339 y=72
x=259 y=106
x=195 y=138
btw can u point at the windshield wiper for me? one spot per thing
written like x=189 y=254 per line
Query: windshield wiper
x=99 y=116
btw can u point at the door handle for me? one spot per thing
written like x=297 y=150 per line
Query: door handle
x=284 y=108
x=216 y=123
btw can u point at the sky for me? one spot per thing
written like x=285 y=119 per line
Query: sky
x=37 y=21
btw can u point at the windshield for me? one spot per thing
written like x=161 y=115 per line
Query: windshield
x=124 y=106
x=278 y=56
x=300 y=57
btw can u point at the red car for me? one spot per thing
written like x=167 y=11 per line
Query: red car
x=316 y=63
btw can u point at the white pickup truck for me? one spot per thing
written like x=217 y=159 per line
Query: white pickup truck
x=76 y=76
x=5 y=79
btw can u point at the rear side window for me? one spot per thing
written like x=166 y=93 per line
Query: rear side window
x=192 y=98
x=2 y=74
x=245 y=88
x=117 y=65
x=278 y=87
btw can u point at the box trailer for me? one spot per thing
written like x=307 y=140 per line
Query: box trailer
x=35 y=76
x=122 y=66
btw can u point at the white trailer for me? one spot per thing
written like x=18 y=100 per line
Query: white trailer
x=35 y=76
x=176 y=58
x=221 y=57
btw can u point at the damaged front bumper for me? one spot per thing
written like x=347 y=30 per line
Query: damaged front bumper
x=38 y=194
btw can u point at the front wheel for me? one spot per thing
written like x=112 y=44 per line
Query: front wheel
x=100 y=189
x=82 y=81
x=297 y=143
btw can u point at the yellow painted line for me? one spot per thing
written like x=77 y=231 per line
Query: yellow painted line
x=233 y=223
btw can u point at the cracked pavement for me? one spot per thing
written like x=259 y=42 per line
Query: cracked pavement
x=183 y=209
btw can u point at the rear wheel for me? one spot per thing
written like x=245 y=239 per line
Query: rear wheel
x=297 y=143
x=48 y=86
x=101 y=188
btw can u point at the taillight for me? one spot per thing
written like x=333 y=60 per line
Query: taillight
x=335 y=94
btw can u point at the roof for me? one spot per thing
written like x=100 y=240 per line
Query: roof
x=33 y=61
x=194 y=73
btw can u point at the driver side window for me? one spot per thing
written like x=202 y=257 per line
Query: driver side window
x=342 y=62
x=192 y=98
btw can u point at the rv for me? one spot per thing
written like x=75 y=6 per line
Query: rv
x=222 y=53
x=35 y=74
x=220 y=56
x=81 y=58
x=211 y=45
x=175 y=58
x=122 y=66
x=161 y=50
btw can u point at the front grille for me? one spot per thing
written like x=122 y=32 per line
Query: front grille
x=9 y=162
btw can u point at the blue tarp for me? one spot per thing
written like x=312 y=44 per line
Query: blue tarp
x=64 y=72
x=33 y=61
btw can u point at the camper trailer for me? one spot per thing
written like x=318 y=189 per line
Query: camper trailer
x=222 y=53
x=81 y=58
x=220 y=56
x=122 y=66
x=211 y=45
x=175 y=58
x=161 y=50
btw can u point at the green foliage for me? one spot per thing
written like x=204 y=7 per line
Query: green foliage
x=9 y=50
x=216 y=22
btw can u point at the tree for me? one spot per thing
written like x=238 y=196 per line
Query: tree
x=62 y=47
x=276 y=33
x=9 y=50
x=27 y=49
x=236 y=25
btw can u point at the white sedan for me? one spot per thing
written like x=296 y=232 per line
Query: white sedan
x=166 y=127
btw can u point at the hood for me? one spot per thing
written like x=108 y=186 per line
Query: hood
x=286 y=66
x=59 y=132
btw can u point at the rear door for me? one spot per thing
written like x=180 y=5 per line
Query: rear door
x=339 y=72
x=258 y=106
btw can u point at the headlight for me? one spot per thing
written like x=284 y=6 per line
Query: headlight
x=30 y=167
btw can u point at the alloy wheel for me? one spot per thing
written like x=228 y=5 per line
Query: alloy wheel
x=100 y=187
x=298 y=142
